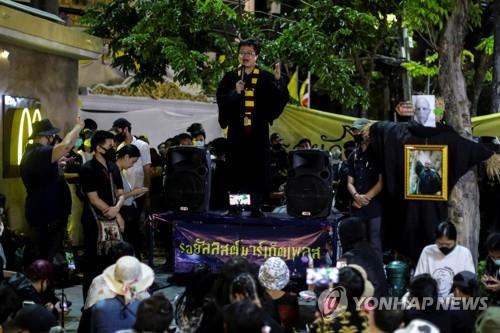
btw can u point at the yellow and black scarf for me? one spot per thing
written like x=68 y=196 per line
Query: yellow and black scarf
x=249 y=99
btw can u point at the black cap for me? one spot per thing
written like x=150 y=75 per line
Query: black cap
x=196 y=129
x=351 y=230
x=43 y=128
x=121 y=123
x=276 y=136
x=35 y=318
x=464 y=279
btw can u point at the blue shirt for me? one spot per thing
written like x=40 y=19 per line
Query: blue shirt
x=110 y=315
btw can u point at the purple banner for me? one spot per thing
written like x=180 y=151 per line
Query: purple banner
x=214 y=244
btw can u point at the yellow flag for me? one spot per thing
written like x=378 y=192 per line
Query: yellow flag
x=293 y=86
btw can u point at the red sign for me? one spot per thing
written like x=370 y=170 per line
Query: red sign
x=405 y=109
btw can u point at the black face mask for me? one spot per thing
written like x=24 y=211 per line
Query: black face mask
x=109 y=154
x=358 y=138
x=120 y=137
x=446 y=250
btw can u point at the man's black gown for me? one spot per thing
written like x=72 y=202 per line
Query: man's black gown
x=409 y=225
x=249 y=155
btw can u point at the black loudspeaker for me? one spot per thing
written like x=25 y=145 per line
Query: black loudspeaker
x=309 y=190
x=187 y=179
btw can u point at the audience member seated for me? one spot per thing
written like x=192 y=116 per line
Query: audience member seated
x=381 y=320
x=357 y=250
x=491 y=278
x=245 y=317
x=274 y=276
x=445 y=258
x=126 y=279
x=353 y=280
x=31 y=318
x=423 y=303
x=244 y=287
x=189 y=307
x=10 y=303
x=465 y=292
x=418 y=326
x=219 y=295
x=127 y=268
x=489 y=321
x=154 y=315
x=99 y=288
x=35 y=286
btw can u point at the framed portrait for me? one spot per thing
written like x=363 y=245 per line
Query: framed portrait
x=426 y=172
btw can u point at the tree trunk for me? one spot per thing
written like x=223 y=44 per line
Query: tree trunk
x=463 y=205
x=482 y=67
x=495 y=94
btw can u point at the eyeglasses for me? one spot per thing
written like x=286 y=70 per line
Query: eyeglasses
x=242 y=54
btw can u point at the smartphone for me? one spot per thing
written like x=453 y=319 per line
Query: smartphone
x=322 y=275
x=341 y=263
x=239 y=200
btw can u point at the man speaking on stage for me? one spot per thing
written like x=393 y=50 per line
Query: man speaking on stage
x=249 y=99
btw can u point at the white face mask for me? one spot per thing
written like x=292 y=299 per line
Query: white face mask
x=198 y=143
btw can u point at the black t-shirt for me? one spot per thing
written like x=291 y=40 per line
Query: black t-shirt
x=94 y=177
x=365 y=172
x=48 y=199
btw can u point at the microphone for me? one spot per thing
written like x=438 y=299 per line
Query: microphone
x=242 y=72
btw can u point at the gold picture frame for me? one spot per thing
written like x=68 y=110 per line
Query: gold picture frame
x=426 y=172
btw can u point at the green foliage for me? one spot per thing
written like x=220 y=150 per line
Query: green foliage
x=147 y=36
x=327 y=39
x=421 y=15
x=416 y=68
x=486 y=45
x=337 y=42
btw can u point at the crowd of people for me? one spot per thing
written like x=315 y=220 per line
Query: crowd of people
x=120 y=180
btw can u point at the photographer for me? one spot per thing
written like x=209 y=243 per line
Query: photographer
x=48 y=200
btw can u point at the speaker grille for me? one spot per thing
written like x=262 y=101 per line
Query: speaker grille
x=185 y=191
x=307 y=195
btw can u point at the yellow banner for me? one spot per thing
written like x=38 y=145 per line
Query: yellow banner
x=297 y=122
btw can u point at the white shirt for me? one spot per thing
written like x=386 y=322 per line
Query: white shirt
x=443 y=268
x=135 y=174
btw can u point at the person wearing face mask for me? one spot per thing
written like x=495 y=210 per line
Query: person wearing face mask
x=491 y=278
x=98 y=177
x=364 y=183
x=198 y=134
x=139 y=175
x=48 y=200
x=444 y=259
x=126 y=156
